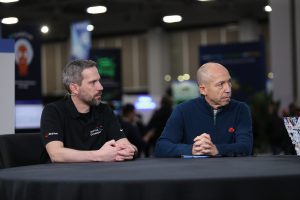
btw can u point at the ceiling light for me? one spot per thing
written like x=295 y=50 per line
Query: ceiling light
x=270 y=75
x=268 y=8
x=180 y=78
x=186 y=77
x=90 y=27
x=205 y=0
x=9 y=20
x=172 y=18
x=168 y=78
x=45 y=29
x=8 y=1
x=96 y=9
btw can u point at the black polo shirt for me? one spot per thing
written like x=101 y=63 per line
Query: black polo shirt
x=61 y=121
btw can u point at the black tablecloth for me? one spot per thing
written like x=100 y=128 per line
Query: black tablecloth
x=246 y=178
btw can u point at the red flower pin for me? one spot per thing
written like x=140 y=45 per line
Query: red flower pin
x=231 y=130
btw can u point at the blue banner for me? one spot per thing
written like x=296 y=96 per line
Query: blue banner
x=245 y=62
x=80 y=40
x=7 y=46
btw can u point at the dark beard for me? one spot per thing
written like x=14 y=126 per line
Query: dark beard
x=92 y=102
x=95 y=102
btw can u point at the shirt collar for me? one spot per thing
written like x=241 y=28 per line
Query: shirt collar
x=210 y=108
x=71 y=107
x=73 y=110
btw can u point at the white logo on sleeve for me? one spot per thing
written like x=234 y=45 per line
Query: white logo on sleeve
x=46 y=135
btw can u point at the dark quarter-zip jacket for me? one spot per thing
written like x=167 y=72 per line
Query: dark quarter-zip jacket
x=230 y=129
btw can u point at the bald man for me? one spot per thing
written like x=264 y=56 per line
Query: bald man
x=213 y=124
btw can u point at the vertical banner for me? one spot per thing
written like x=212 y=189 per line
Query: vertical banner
x=28 y=93
x=109 y=67
x=80 y=40
x=245 y=62
x=28 y=61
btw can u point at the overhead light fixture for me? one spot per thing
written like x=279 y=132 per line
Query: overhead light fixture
x=44 y=29
x=90 y=27
x=172 y=18
x=96 y=9
x=205 y=0
x=9 y=20
x=8 y=1
x=270 y=75
x=186 y=77
x=168 y=78
x=268 y=8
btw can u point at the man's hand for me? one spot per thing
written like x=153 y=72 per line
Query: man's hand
x=204 y=146
x=112 y=150
x=125 y=150
x=108 y=152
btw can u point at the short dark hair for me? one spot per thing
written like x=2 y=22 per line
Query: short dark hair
x=72 y=73
x=127 y=108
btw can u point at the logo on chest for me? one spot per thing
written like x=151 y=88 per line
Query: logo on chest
x=96 y=131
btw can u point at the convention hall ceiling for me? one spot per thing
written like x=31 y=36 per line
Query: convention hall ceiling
x=130 y=16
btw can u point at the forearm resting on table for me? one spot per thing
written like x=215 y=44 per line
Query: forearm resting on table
x=58 y=153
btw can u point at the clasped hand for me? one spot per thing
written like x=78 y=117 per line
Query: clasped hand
x=204 y=146
x=117 y=150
